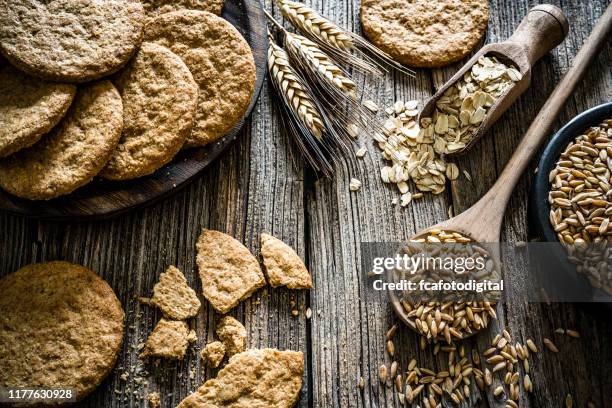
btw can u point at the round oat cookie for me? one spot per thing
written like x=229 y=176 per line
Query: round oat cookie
x=61 y=325
x=70 y=40
x=153 y=8
x=29 y=108
x=159 y=105
x=221 y=62
x=424 y=33
x=73 y=152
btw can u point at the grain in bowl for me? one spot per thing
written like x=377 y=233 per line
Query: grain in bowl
x=580 y=201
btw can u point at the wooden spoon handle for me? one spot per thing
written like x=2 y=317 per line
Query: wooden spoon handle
x=542 y=29
x=496 y=199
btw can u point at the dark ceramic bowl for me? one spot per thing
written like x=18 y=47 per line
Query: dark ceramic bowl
x=539 y=207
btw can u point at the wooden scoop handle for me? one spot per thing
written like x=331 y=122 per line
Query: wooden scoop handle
x=543 y=28
x=484 y=218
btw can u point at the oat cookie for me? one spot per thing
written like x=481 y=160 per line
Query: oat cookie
x=174 y=297
x=253 y=379
x=213 y=353
x=153 y=8
x=229 y=272
x=70 y=40
x=169 y=339
x=283 y=266
x=29 y=108
x=221 y=62
x=159 y=105
x=60 y=324
x=73 y=152
x=424 y=33
x=233 y=335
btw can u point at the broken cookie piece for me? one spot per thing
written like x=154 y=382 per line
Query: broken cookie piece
x=154 y=400
x=229 y=272
x=169 y=339
x=283 y=266
x=213 y=353
x=174 y=297
x=253 y=379
x=192 y=337
x=233 y=335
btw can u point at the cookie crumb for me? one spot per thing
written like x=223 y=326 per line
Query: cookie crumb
x=271 y=375
x=233 y=335
x=213 y=353
x=228 y=271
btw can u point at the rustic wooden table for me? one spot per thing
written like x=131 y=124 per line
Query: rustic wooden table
x=255 y=187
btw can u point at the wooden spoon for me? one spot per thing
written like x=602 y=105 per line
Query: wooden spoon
x=482 y=222
x=542 y=29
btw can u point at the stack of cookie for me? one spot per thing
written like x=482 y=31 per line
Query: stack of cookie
x=113 y=88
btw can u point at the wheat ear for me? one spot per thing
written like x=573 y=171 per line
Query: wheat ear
x=308 y=52
x=315 y=25
x=325 y=33
x=303 y=118
x=292 y=90
x=331 y=87
x=337 y=40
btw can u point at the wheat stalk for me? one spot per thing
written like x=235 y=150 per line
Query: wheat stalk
x=305 y=51
x=325 y=33
x=292 y=90
x=320 y=99
x=337 y=40
x=303 y=118
x=335 y=92
x=315 y=25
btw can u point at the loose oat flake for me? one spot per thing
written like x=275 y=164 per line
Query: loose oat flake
x=412 y=157
x=465 y=104
x=354 y=184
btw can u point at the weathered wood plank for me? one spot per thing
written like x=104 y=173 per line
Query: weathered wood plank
x=550 y=373
x=343 y=219
x=348 y=335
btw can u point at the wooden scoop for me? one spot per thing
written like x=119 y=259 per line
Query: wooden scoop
x=482 y=222
x=542 y=29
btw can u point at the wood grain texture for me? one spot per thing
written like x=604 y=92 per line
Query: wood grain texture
x=358 y=325
x=255 y=186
